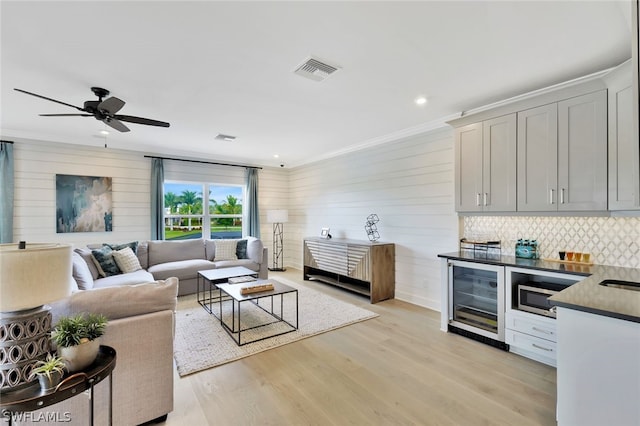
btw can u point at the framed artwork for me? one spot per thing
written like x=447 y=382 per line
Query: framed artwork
x=324 y=233
x=83 y=204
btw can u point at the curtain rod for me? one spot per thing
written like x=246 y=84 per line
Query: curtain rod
x=11 y=142
x=203 y=162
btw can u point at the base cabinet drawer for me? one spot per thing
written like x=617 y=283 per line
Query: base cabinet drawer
x=533 y=325
x=531 y=347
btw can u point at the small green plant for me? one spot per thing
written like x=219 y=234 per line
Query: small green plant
x=72 y=331
x=52 y=364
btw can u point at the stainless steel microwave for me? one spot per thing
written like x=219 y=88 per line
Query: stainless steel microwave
x=535 y=299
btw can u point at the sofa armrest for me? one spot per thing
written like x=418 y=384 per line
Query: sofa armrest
x=263 y=273
x=120 y=301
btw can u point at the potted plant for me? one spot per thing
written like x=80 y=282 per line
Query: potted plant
x=49 y=371
x=77 y=339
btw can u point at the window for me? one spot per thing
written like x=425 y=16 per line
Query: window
x=185 y=217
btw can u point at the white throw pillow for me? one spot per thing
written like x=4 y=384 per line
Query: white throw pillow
x=226 y=250
x=127 y=260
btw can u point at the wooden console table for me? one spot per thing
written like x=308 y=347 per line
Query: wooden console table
x=32 y=398
x=360 y=266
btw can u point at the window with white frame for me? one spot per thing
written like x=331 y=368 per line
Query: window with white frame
x=185 y=216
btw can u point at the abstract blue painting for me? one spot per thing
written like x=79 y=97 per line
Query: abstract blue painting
x=83 y=204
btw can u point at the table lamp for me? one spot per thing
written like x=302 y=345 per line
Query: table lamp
x=278 y=217
x=31 y=275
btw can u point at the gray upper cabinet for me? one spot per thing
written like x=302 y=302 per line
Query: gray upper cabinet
x=538 y=158
x=562 y=155
x=499 y=164
x=486 y=165
x=582 y=153
x=624 y=185
x=468 y=167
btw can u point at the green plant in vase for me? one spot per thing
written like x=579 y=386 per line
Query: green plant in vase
x=77 y=339
x=49 y=371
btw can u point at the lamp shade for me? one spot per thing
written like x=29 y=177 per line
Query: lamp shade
x=33 y=276
x=277 y=216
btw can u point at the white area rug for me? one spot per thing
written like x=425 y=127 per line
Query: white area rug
x=201 y=342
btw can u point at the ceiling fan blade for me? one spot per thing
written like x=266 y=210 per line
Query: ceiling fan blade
x=140 y=120
x=66 y=115
x=112 y=122
x=49 y=99
x=111 y=105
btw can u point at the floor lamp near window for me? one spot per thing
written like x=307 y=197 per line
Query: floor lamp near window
x=278 y=218
x=31 y=275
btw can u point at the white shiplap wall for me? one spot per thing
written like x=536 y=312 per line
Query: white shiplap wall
x=407 y=183
x=36 y=166
x=37 y=163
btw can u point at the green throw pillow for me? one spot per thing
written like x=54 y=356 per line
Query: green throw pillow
x=105 y=262
x=241 y=249
x=116 y=247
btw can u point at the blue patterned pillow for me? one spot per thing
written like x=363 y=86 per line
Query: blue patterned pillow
x=241 y=249
x=116 y=247
x=106 y=264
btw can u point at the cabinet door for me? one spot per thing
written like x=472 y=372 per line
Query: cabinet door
x=582 y=152
x=468 y=167
x=499 y=164
x=538 y=158
x=623 y=159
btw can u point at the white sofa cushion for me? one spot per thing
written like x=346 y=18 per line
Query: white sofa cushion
x=85 y=253
x=225 y=250
x=170 y=251
x=183 y=269
x=81 y=273
x=127 y=260
x=131 y=278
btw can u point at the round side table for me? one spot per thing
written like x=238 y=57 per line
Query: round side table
x=32 y=398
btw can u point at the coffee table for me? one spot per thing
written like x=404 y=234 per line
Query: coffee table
x=266 y=319
x=211 y=277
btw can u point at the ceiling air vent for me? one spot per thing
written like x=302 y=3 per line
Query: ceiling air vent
x=315 y=70
x=227 y=138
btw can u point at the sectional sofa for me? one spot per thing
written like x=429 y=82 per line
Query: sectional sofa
x=159 y=260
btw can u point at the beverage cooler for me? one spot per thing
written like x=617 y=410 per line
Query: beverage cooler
x=476 y=301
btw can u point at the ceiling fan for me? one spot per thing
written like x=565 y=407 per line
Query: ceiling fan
x=103 y=110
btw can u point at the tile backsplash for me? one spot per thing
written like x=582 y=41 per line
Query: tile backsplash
x=610 y=240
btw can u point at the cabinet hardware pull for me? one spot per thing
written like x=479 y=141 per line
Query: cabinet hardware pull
x=562 y=196
x=486 y=196
x=541 y=330
x=477 y=199
x=551 y=196
x=541 y=347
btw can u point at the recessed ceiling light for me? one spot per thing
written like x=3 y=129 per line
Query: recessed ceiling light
x=104 y=132
x=420 y=100
x=276 y=156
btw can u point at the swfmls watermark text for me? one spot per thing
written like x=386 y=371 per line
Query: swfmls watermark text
x=44 y=417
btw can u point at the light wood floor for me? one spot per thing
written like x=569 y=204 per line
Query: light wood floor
x=398 y=368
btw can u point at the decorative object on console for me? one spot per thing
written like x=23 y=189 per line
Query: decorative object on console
x=324 y=233
x=83 y=204
x=278 y=218
x=77 y=339
x=371 y=228
x=527 y=249
x=30 y=277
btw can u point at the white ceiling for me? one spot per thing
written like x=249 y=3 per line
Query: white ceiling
x=227 y=67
